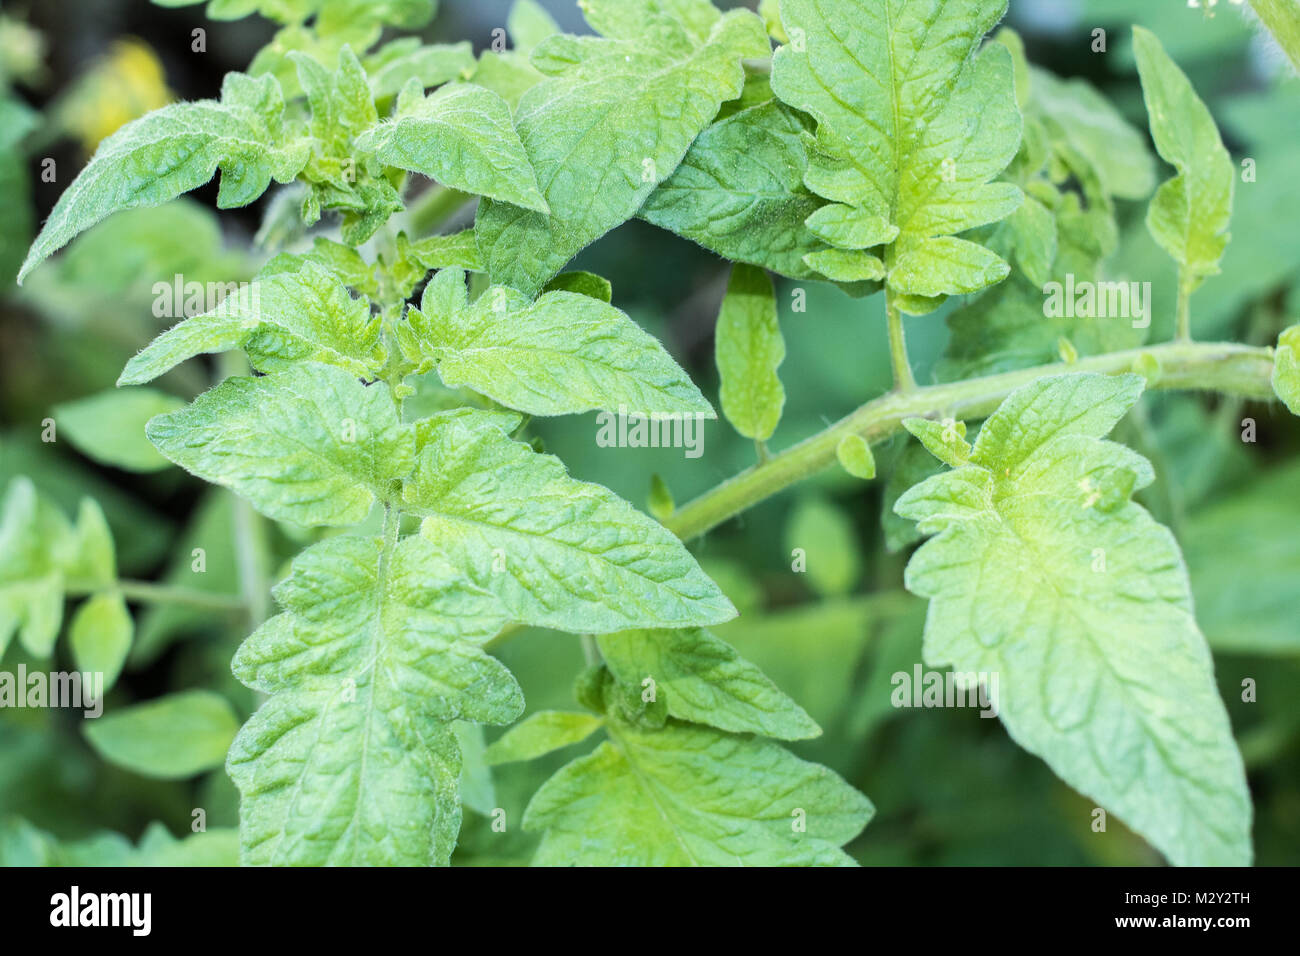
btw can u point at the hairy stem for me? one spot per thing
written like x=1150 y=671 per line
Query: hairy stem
x=903 y=379
x=1227 y=368
x=1184 y=315
x=146 y=592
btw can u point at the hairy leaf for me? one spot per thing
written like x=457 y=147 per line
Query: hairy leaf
x=557 y=552
x=354 y=760
x=563 y=354
x=310 y=445
x=611 y=121
x=178 y=148
x=1043 y=572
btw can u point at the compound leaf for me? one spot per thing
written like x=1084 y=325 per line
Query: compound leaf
x=1043 y=571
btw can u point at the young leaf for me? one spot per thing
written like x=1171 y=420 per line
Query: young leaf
x=354 y=759
x=100 y=635
x=557 y=552
x=1286 y=369
x=36 y=543
x=824 y=540
x=463 y=137
x=170 y=738
x=693 y=796
x=542 y=733
x=310 y=445
x=911 y=151
x=749 y=350
x=281 y=319
x=854 y=455
x=705 y=681
x=739 y=192
x=563 y=354
x=109 y=426
x=1189 y=214
x=594 y=172
x=395 y=64
x=178 y=148
x=1044 y=572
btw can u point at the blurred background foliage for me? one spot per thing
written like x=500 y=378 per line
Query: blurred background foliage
x=950 y=788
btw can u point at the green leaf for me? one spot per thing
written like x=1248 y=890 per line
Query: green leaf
x=596 y=171
x=463 y=137
x=693 y=796
x=583 y=283
x=309 y=445
x=21 y=844
x=354 y=759
x=1286 y=369
x=36 y=544
x=565 y=353
x=749 y=350
x=178 y=148
x=109 y=426
x=824 y=545
x=542 y=733
x=1043 y=572
x=946 y=440
x=529 y=24
x=846 y=265
x=281 y=319
x=1189 y=214
x=704 y=681
x=395 y=64
x=912 y=125
x=557 y=552
x=101 y=636
x=854 y=455
x=1251 y=528
x=171 y=738
x=1282 y=17
x=739 y=192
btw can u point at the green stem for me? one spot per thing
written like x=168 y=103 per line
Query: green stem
x=1184 y=316
x=1227 y=368
x=903 y=379
x=146 y=592
x=434 y=208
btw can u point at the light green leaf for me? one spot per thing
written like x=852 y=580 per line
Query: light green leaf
x=463 y=137
x=946 y=440
x=583 y=283
x=1189 y=214
x=1043 y=572
x=36 y=543
x=854 y=455
x=824 y=546
x=739 y=192
x=1286 y=369
x=557 y=552
x=354 y=759
x=310 y=445
x=171 y=738
x=704 y=681
x=749 y=350
x=693 y=796
x=1282 y=17
x=595 y=172
x=395 y=64
x=542 y=733
x=101 y=636
x=846 y=265
x=92 y=561
x=21 y=844
x=912 y=125
x=281 y=319
x=178 y=148
x=529 y=24
x=563 y=354
x=477 y=790
x=109 y=426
